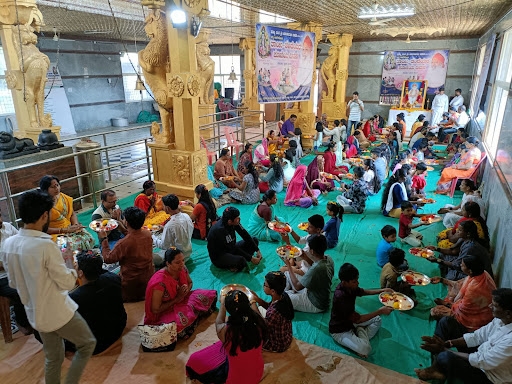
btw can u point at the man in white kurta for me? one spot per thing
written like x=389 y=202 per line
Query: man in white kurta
x=439 y=105
x=457 y=100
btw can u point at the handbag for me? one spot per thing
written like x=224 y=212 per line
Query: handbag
x=158 y=338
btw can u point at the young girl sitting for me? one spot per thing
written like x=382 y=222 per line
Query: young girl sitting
x=354 y=197
x=418 y=180
x=369 y=176
x=332 y=227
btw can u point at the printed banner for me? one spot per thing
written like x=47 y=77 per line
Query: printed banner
x=412 y=65
x=285 y=61
x=53 y=76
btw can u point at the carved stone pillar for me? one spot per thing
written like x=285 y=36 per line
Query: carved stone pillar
x=250 y=100
x=18 y=21
x=304 y=109
x=179 y=163
x=335 y=73
x=206 y=69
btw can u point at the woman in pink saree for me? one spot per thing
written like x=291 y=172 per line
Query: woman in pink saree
x=352 y=149
x=314 y=178
x=298 y=192
x=169 y=296
x=261 y=154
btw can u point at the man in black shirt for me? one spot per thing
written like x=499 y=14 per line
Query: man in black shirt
x=225 y=252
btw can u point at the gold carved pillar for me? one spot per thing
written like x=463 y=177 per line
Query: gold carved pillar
x=250 y=100
x=26 y=66
x=206 y=69
x=304 y=109
x=179 y=163
x=335 y=74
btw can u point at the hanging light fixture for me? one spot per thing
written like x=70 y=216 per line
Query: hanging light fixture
x=55 y=36
x=232 y=75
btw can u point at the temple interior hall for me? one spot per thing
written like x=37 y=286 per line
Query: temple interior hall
x=114 y=98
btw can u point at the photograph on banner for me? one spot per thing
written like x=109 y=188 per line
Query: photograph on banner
x=413 y=94
x=399 y=66
x=285 y=61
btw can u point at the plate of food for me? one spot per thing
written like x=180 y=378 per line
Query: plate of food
x=415 y=278
x=429 y=168
x=426 y=200
x=348 y=176
x=288 y=251
x=430 y=218
x=327 y=175
x=236 y=287
x=227 y=178
x=396 y=300
x=421 y=252
x=431 y=162
x=279 y=226
x=307 y=136
x=103 y=225
x=365 y=157
x=303 y=226
x=153 y=227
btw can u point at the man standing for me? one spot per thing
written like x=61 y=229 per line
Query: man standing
x=177 y=231
x=439 y=106
x=110 y=210
x=457 y=100
x=288 y=128
x=355 y=107
x=35 y=267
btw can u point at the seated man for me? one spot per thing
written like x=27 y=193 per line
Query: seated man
x=490 y=363
x=134 y=253
x=110 y=210
x=223 y=249
x=347 y=327
x=310 y=293
x=177 y=231
x=100 y=301
x=224 y=168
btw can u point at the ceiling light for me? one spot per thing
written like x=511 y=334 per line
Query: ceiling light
x=55 y=37
x=391 y=11
x=178 y=18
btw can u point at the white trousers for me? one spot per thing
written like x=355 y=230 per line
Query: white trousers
x=359 y=340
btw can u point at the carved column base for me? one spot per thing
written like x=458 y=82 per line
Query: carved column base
x=33 y=133
x=179 y=172
x=335 y=110
x=306 y=122
x=251 y=107
x=206 y=131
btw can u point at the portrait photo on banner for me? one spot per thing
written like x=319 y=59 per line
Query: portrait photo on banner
x=413 y=94
x=430 y=66
x=285 y=61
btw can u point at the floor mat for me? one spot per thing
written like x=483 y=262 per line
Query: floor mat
x=396 y=345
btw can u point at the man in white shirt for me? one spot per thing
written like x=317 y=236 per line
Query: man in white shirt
x=35 y=267
x=178 y=230
x=355 y=107
x=457 y=100
x=439 y=106
x=490 y=363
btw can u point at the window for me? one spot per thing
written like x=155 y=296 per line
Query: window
x=266 y=17
x=223 y=69
x=130 y=78
x=224 y=10
x=6 y=104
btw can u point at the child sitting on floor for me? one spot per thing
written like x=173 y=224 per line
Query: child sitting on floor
x=315 y=227
x=332 y=227
x=347 y=327
x=405 y=225
x=388 y=233
x=418 y=180
x=391 y=271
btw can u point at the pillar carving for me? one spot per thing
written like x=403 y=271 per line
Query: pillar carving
x=304 y=109
x=250 y=98
x=26 y=66
x=179 y=71
x=334 y=72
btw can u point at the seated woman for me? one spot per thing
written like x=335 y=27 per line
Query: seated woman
x=470 y=211
x=463 y=169
x=353 y=147
x=353 y=198
x=204 y=214
x=63 y=219
x=247 y=192
x=224 y=170
x=237 y=357
x=278 y=313
x=260 y=217
x=169 y=296
x=330 y=161
x=315 y=180
x=453 y=213
x=466 y=307
x=288 y=165
x=364 y=143
x=394 y=194
x=298 y=192
x=274 y=178
x=149 y=201
x=245 y=157
x=274 y=143
x=451 y=258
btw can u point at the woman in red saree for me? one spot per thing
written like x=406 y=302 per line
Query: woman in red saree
x=169 y=296
x=149 y=201
x=330 y=161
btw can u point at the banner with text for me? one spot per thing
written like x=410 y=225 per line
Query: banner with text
x=399 y=66
x=285 y=61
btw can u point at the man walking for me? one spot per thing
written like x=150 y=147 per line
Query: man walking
x=35 y=267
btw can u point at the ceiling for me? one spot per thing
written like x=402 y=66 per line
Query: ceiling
x=92 y=19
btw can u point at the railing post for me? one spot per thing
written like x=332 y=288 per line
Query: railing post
x=147 y=159
x=7 y=190
x=106 y=157
x=91 y=181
